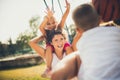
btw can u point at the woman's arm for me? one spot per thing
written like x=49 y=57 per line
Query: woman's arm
x=62 y=22
x=34 y=45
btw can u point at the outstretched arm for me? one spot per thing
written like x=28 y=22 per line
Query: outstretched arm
x=76 y=38
x=67 y=68
x=42 y=25
x=34 y=45
x=70 y=48
x=62 y=22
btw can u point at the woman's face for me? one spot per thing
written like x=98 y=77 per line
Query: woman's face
x=58 y=42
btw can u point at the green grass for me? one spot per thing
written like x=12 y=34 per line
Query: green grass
x=27 y=73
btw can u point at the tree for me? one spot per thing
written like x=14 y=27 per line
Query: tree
x=3 y=50
x=23 y=38
x=34 y=24
x=22 y=41
x=11 y=47
x=72 y=31
x=21 y=44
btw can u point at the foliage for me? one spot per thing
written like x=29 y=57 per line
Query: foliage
x=7 y=49
x=34 y=24
x=25 y=37
x=22 y=41
x=11 y=47
x=72 y=31
x=21 y=44
x=3 y=50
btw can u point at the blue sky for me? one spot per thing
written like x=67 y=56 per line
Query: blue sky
x=15 y=15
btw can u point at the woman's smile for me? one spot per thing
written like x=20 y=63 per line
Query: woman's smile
x=58 y=41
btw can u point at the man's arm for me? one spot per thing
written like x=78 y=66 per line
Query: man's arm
x=69 y=50
x=67 y=68
x=76 y=38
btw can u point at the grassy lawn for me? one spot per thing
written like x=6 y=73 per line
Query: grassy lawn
x=27 y=73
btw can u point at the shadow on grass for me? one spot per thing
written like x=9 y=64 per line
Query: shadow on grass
x=17 y=67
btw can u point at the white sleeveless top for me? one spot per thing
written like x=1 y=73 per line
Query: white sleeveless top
x=55 y=60
x=99 y=50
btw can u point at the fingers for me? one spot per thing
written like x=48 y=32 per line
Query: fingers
x=66 y=1
x=49 y=12
x=67 y=4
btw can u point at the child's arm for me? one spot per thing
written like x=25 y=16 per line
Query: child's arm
x=34 y=45
x=62 y=22
x=43 y=24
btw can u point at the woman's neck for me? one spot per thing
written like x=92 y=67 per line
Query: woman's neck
x=59 y=53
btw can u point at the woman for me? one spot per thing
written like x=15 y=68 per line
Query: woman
x=49 y=23
x=58 y=41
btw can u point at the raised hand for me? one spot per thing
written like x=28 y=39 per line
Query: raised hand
x=67 y=4
x=49 y=13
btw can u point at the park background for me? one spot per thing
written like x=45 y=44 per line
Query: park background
x=19 y=22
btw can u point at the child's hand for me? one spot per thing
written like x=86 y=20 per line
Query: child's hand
x=67 y=4
x=49 y=13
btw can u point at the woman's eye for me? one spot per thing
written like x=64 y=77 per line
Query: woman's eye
x=61 y=38
x=56 y=40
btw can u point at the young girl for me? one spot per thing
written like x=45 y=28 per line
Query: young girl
x=47 y=26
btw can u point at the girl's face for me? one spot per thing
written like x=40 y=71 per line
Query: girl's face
x=52 y=20
x=51 y=24
x=58 y=42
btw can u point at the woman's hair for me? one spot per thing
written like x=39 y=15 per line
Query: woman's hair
x=53 y=33
x=85 y=17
